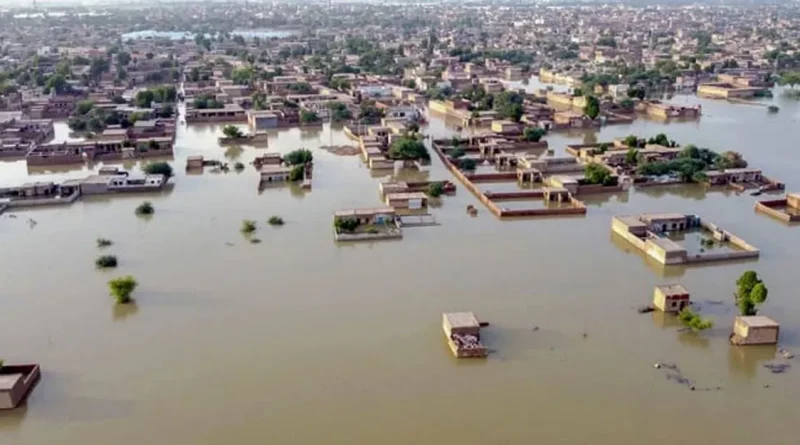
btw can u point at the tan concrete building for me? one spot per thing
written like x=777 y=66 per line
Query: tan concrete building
x=755 y=330
x=670 y=298
x=463 y=332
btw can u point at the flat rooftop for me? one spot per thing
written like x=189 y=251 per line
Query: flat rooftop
x=662 y=216
x=365 y=212
x=759 y=321
x=407 y=195
x=462 y=320
x=667 y=244
x=672 y=289
x=7 y=381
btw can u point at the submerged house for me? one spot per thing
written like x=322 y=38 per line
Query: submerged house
x=670 y=298
x=16 y=383
x=463 y=332
x=271 y=173
x=755 y=330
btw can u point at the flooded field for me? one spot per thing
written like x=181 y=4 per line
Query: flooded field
x=298 y=340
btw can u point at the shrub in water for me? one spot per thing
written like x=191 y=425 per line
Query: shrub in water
x=106 y=261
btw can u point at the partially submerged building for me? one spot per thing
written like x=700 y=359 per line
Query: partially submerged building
x=786 y=209
x=649 y=233
x=16 y=383
x=670 y=298
x=366 y=224
x=407 y=200
x=271 y=173
x=463 y=332
x=755 y=330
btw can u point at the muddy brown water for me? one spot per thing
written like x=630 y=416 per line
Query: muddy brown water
x=298 y=340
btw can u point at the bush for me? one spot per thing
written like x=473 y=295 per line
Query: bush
x=232 y=131
x=457 y=152
x=298 y=157
x=533 y=134
x=693 y=320
x=275 y=221
x=158 y=168
x=407 y=148
x=145 y=208
x=597 y=174
x=238 y=166
x=122 y=288
x=102 y=242
x=106 y=261
x=345 y=225
x=435 y=189
x=466 y=164
x=308 y=117
x=297 y=173
x=248 y=226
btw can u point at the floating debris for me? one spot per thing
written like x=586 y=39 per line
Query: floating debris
x=674 y=374
x=535 y=328
x=254 y=241
x=229 y=244
x=714 y=302
x=786 y=354
x=778 y=368
x=645 y=309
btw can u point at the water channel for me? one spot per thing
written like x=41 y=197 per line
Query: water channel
x=298 y=340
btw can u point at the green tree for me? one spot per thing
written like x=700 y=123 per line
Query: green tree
x=751 y=291
x=508 y=105
x=339 y=112
x=248 y=226
x=631 y=141
x=297 y=173
x=144 y=98
x=435 y=189
x=789 y=78
x=83 y=107
x=693 y=320
x=466 y=164
x=58 y=84
x=158 y=168
x=122 y=288
x=730 y=159
x=145 y=208
x=660 y=139
x=408 y=148
x=632 y=156
x=597 y=174
x=533 y=134
x=592 y=107
x=308 y=116
x=298 y=157
x=123 y=58
x=232 y=132
x=106 y=261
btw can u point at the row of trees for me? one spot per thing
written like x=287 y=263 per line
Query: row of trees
x=692 y=163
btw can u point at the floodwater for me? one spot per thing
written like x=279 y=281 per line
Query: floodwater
x=298 y=340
